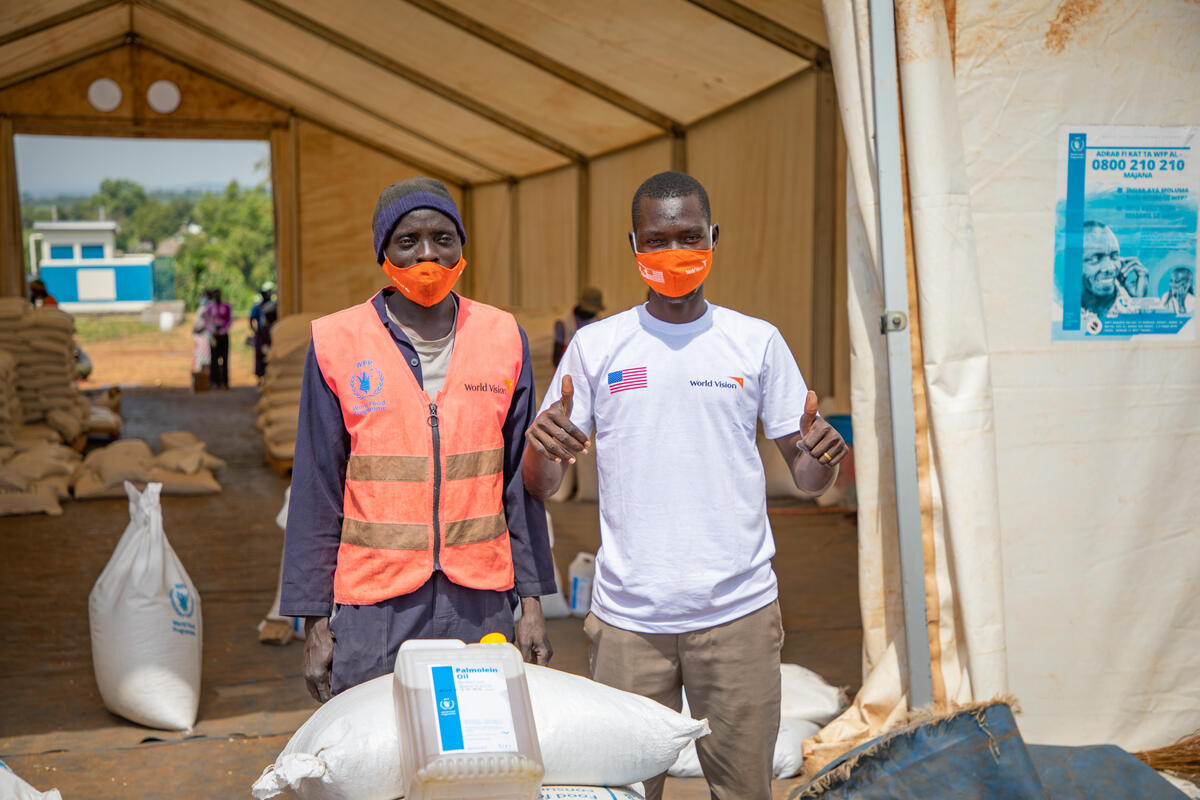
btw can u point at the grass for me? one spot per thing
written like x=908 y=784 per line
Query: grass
x=104 y=328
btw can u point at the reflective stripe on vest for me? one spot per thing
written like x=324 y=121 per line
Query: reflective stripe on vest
x=425 y=480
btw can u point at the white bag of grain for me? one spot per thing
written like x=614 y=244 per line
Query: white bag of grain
x=590 y=735
x=146 y=624
x=13 y=788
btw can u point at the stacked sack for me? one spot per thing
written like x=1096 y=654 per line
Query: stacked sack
x=46 y=371
x=10 y=404
x=183 y=467
x=35 y=476
x=590 y=735
x=279 y=408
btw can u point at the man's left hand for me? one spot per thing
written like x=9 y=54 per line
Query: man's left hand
x=532 y=638
x=818 y=437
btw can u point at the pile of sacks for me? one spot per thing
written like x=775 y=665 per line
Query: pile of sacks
x=183 y=467
x=38 y=386
x=279 y=407
x=590 y=735
x=10 y=404
x=35 y=476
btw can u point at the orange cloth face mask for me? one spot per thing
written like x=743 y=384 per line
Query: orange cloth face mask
x=426 y=283
x=674 y=273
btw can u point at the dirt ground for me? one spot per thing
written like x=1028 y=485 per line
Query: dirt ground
x=125 y=352
x=55 y=731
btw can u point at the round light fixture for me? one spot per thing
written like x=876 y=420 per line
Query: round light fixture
x=104 y=94
x=163 y=96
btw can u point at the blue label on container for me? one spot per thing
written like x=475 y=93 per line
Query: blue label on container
x=445 y=699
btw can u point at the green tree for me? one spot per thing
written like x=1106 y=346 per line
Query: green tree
x=235 y=251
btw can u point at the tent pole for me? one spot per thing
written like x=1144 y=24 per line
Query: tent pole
x=892 y=255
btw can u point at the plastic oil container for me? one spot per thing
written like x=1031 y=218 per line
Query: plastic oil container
x=580 y=575
x=465 y=721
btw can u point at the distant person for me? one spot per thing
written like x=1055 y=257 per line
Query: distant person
x=38 y=295
x=262 y=318
x=1107 y=277
x=218 y=319
x=201 y=347
x=1180 y=298
x=587 y=309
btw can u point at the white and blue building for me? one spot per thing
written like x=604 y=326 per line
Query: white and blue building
x=78 y=263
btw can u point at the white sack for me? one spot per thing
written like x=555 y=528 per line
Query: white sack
x=13 y=788
x=146 y=624
x=787 y=761
x=590 y=734
x=591 y=793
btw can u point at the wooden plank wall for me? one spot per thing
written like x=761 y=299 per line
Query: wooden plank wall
x=340 y=181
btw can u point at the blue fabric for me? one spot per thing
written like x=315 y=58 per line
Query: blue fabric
x=318 y=483
x=968 y=756
x=1103 y=771
x=981 y=755
x=841 y=424
x=386 y=222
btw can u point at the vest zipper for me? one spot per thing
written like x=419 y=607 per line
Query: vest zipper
x=437 y=485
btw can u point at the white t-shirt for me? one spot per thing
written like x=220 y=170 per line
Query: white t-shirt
x=685 y=541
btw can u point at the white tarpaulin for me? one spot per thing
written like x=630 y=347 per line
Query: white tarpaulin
x=952 y=384
x=1061 y=528
x=1097 y=442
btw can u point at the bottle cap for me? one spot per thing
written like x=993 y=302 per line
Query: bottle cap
x=493 y=638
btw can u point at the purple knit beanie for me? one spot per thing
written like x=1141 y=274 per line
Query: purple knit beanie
x=400 y=198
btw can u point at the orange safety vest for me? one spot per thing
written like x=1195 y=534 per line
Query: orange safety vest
x=425 y=481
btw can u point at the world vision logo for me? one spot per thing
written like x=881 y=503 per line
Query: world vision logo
x=494 y=388
x=729 y=382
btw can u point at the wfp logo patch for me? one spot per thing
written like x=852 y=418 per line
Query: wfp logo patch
x=366 y=382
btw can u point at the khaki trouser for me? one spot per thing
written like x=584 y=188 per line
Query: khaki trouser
x=731 y=673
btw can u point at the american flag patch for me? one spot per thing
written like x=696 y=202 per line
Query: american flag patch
x=623 y=380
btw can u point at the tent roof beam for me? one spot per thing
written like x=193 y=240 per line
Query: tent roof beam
x=414 y=76
x=201 y=69
x=81 y=10
x=540 y=60
x=766 y=28
x=186 y=19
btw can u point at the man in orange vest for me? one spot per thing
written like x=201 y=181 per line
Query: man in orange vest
x=408 y=515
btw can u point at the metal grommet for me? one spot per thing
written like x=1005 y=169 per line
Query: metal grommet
x=413 y=361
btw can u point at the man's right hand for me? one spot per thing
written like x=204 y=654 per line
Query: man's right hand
x=318 y=657
x=552 y=435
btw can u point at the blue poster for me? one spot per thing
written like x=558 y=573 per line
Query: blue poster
x=1125 y=232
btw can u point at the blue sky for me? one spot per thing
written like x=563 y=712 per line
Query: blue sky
x=52 y=165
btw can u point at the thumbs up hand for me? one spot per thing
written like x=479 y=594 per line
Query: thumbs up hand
x=818 y=437
x=552 y=435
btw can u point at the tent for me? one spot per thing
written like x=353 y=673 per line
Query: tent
x=1058 y=515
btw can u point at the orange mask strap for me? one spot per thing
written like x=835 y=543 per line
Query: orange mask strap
x=426 y=283
x=674 y=273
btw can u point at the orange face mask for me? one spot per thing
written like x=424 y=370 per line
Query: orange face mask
x=674 y=273
x=426 y=283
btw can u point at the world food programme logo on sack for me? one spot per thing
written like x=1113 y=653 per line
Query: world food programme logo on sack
x=185 y=607
x=447 y=704
x=181 y=600
x=366 y=382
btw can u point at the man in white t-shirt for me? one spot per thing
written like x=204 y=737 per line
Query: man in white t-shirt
x=684 y=593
